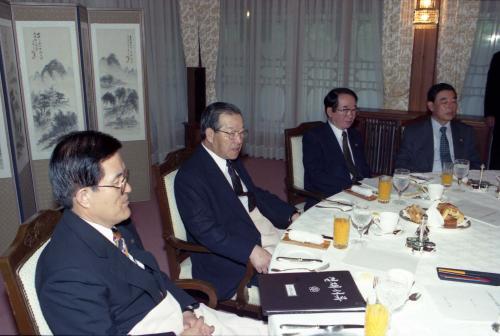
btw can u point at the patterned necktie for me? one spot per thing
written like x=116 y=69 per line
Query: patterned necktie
x=119 y=241
x=238 y=188
x=444 y=147
x=348 y=158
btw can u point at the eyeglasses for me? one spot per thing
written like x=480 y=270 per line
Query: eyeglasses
x=123 y=183
x=346 y=110
x=232 y=135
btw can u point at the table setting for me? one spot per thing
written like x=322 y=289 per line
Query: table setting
x=450 y=253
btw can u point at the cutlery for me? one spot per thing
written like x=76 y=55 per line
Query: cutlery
x=421 y=177
x=347 y=203
x=496 y=327
x=314 y=269
x=333 y=207
x=298 y=259
x=327 y=327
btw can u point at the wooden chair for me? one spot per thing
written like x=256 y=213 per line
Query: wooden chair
x=246 y=301
x=18 y=265
x=294 y=179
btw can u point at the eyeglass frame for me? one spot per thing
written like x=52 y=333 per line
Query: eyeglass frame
x=123 y=183
x=232 y=135
x=346 y=110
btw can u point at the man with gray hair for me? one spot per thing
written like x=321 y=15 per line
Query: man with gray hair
x=221 y=207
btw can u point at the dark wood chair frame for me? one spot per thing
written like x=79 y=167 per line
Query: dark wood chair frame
x=178 y=250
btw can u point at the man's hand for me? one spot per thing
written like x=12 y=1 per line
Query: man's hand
x=260 y=259
x=490 y=121
x=295 y=216
x=195 y=326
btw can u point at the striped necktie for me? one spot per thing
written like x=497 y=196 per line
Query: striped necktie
x=348 y=158
x=119 y=241
x=238 y=187
x=444 y=147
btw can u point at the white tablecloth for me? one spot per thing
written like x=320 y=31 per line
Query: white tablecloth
x=445 y=308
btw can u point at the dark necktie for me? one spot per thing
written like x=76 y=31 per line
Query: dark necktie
x=238 y=188
x=348 y=158
x=119 y=241
x=444 y=147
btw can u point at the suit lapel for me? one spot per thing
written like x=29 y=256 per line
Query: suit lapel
x=119 y=264
x=458 y=141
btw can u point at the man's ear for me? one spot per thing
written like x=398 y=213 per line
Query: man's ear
x=329 y=112
x=209 y=135
x=82 y=197
x=430 y=106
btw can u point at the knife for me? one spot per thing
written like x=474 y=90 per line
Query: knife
x=328 y=327
x=298 y=259
x=346 y=203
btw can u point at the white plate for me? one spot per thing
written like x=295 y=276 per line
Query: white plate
x=375 y=230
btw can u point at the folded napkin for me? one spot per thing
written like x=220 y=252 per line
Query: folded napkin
x=434 y=218
x=305 y=237
x=362 y=191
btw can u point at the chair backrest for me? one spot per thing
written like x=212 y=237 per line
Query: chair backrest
x=18 y=266
x=294 y=166
x=382 y=138
x=173 y=227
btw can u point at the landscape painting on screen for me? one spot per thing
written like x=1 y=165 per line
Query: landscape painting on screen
x=51 y=79
x=118 y=77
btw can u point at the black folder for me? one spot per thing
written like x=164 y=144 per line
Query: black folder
x=312 y=292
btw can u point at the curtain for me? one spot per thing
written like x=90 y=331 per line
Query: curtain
x=456 y=34
x=486 y=43
x=278 y=59
x=166 y=71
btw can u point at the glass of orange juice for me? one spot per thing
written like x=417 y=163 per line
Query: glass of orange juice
x=341 y=227
x=447 y=174
x=384 y=188
x=376 y=320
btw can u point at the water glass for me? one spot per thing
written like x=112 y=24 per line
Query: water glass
x=361 y=217
x=401 y=181
x=461 y=170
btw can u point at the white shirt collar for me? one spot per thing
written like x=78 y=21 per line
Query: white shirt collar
x=221 y=163
x=106 y=232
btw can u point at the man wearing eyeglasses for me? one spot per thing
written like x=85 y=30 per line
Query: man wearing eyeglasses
x=440 y=138
x=333 y=154
x=94 y=276
x=221 y=207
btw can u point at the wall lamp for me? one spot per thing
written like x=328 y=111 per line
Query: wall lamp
x=426 y=14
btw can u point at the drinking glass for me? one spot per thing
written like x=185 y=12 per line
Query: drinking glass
x=391 y=293
x=447 y=174
x=341 y=230
x=401 y=181
x=376 y=320
x=361 y=217
x=384 y=188
x=461 y=170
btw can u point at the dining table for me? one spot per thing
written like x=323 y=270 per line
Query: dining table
x=444 y=307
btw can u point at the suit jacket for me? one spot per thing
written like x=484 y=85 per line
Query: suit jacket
x=215 y=218
x=86 y=285
x=417 y=147
x=492 y=107
x=325 y=169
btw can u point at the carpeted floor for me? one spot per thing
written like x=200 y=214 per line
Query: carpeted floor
x=267 y=174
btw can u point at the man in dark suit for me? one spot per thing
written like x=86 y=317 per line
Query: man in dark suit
x=94 y=276
x=492 y=108
x=427 y=144
x=221 y=207
x=333 y=154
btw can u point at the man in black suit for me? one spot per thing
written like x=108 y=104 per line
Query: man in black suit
x=221 y=207
x=94 y=276
x=333 y=154
x=440 y=138
x=492 y=108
